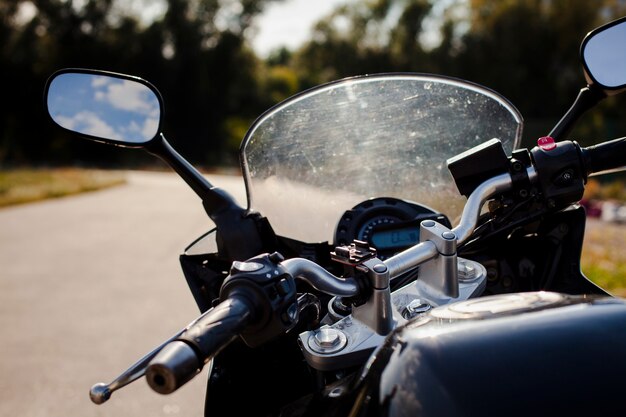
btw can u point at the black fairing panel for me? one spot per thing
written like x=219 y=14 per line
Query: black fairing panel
x=568 y=358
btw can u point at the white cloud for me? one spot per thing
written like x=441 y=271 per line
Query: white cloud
x=137 y=133
x=99 y=81
x=88 y=123
x=129 y=96
x=150 y=128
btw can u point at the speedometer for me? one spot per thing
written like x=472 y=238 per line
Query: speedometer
x=389 y=225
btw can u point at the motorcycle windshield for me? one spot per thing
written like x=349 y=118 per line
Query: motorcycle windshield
x=321 y=152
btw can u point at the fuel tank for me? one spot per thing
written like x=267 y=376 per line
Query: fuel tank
x=524 y=354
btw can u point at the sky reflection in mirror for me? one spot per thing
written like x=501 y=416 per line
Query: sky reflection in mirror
x=105 y=107
x=606 y=57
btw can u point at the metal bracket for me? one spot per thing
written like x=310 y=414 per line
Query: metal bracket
x=440 y=274
x=376 y=313
x=357 y=335
x=354 y=337
x=358 y=328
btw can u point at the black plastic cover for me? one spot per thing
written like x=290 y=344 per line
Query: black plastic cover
x=560 y=173
x=475 y=166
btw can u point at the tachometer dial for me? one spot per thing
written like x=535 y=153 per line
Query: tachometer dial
x=389 y=225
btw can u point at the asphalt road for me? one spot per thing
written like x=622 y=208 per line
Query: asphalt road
x=88 y=285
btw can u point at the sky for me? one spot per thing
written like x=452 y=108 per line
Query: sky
x=289 y=23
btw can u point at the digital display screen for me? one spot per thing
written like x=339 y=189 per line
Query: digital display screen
x=396 y=238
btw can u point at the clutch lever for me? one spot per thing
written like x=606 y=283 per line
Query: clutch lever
x=101 y=392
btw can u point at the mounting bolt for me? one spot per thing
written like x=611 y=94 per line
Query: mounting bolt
x=416 y=307
x=328 y=340
x=467 y=271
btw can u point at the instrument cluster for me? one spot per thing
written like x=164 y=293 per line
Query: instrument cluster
x=389 y=225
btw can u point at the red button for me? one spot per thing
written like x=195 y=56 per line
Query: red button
x=546 y=143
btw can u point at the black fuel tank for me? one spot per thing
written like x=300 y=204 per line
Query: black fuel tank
x=526 y=354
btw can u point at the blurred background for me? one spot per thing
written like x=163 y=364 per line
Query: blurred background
x=220 y=63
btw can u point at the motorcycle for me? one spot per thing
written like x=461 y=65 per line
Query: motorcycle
x=343 y=288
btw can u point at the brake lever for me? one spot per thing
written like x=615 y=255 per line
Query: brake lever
x=101 y=392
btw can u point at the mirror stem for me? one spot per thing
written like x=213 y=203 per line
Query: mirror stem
x=587 y=98
x=215 y=199
x=238 y=237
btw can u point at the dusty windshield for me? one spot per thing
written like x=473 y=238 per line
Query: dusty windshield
x=322 y=152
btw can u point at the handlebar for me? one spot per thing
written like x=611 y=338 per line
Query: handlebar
x=180 y=360
x=605 y=156
x=259 y=303
x=245 y=306
x=321 y=279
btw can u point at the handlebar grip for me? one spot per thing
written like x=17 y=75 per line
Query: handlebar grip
x=605 y=156
x=180 y=360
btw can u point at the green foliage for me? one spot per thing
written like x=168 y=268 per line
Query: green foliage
x=611 y=278
x=614 y=189
x=213 y=83
x=279 y=83
x=235 y=129
x=603 y=258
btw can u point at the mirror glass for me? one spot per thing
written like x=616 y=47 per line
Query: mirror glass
x=104 y=106
x=605 y=56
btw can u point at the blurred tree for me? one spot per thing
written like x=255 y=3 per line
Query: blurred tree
x=406 y=48
x=278 y=82
x=196 y=53
x=214 y=85
x=351 y=41
x=526 y=50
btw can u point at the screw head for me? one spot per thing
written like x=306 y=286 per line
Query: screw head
x=328 y=340
x=467 y=271
x=448 y=235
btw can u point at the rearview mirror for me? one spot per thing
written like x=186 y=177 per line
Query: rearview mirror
x=604 y=56
x=104 y=106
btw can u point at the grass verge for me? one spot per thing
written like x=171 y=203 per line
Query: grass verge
x=603 y=259
x=21 y=186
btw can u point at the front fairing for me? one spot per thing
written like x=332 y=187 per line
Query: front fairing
x=323 y=151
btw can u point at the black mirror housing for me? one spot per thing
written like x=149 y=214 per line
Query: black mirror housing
x=108 y=107
x=604 y=57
